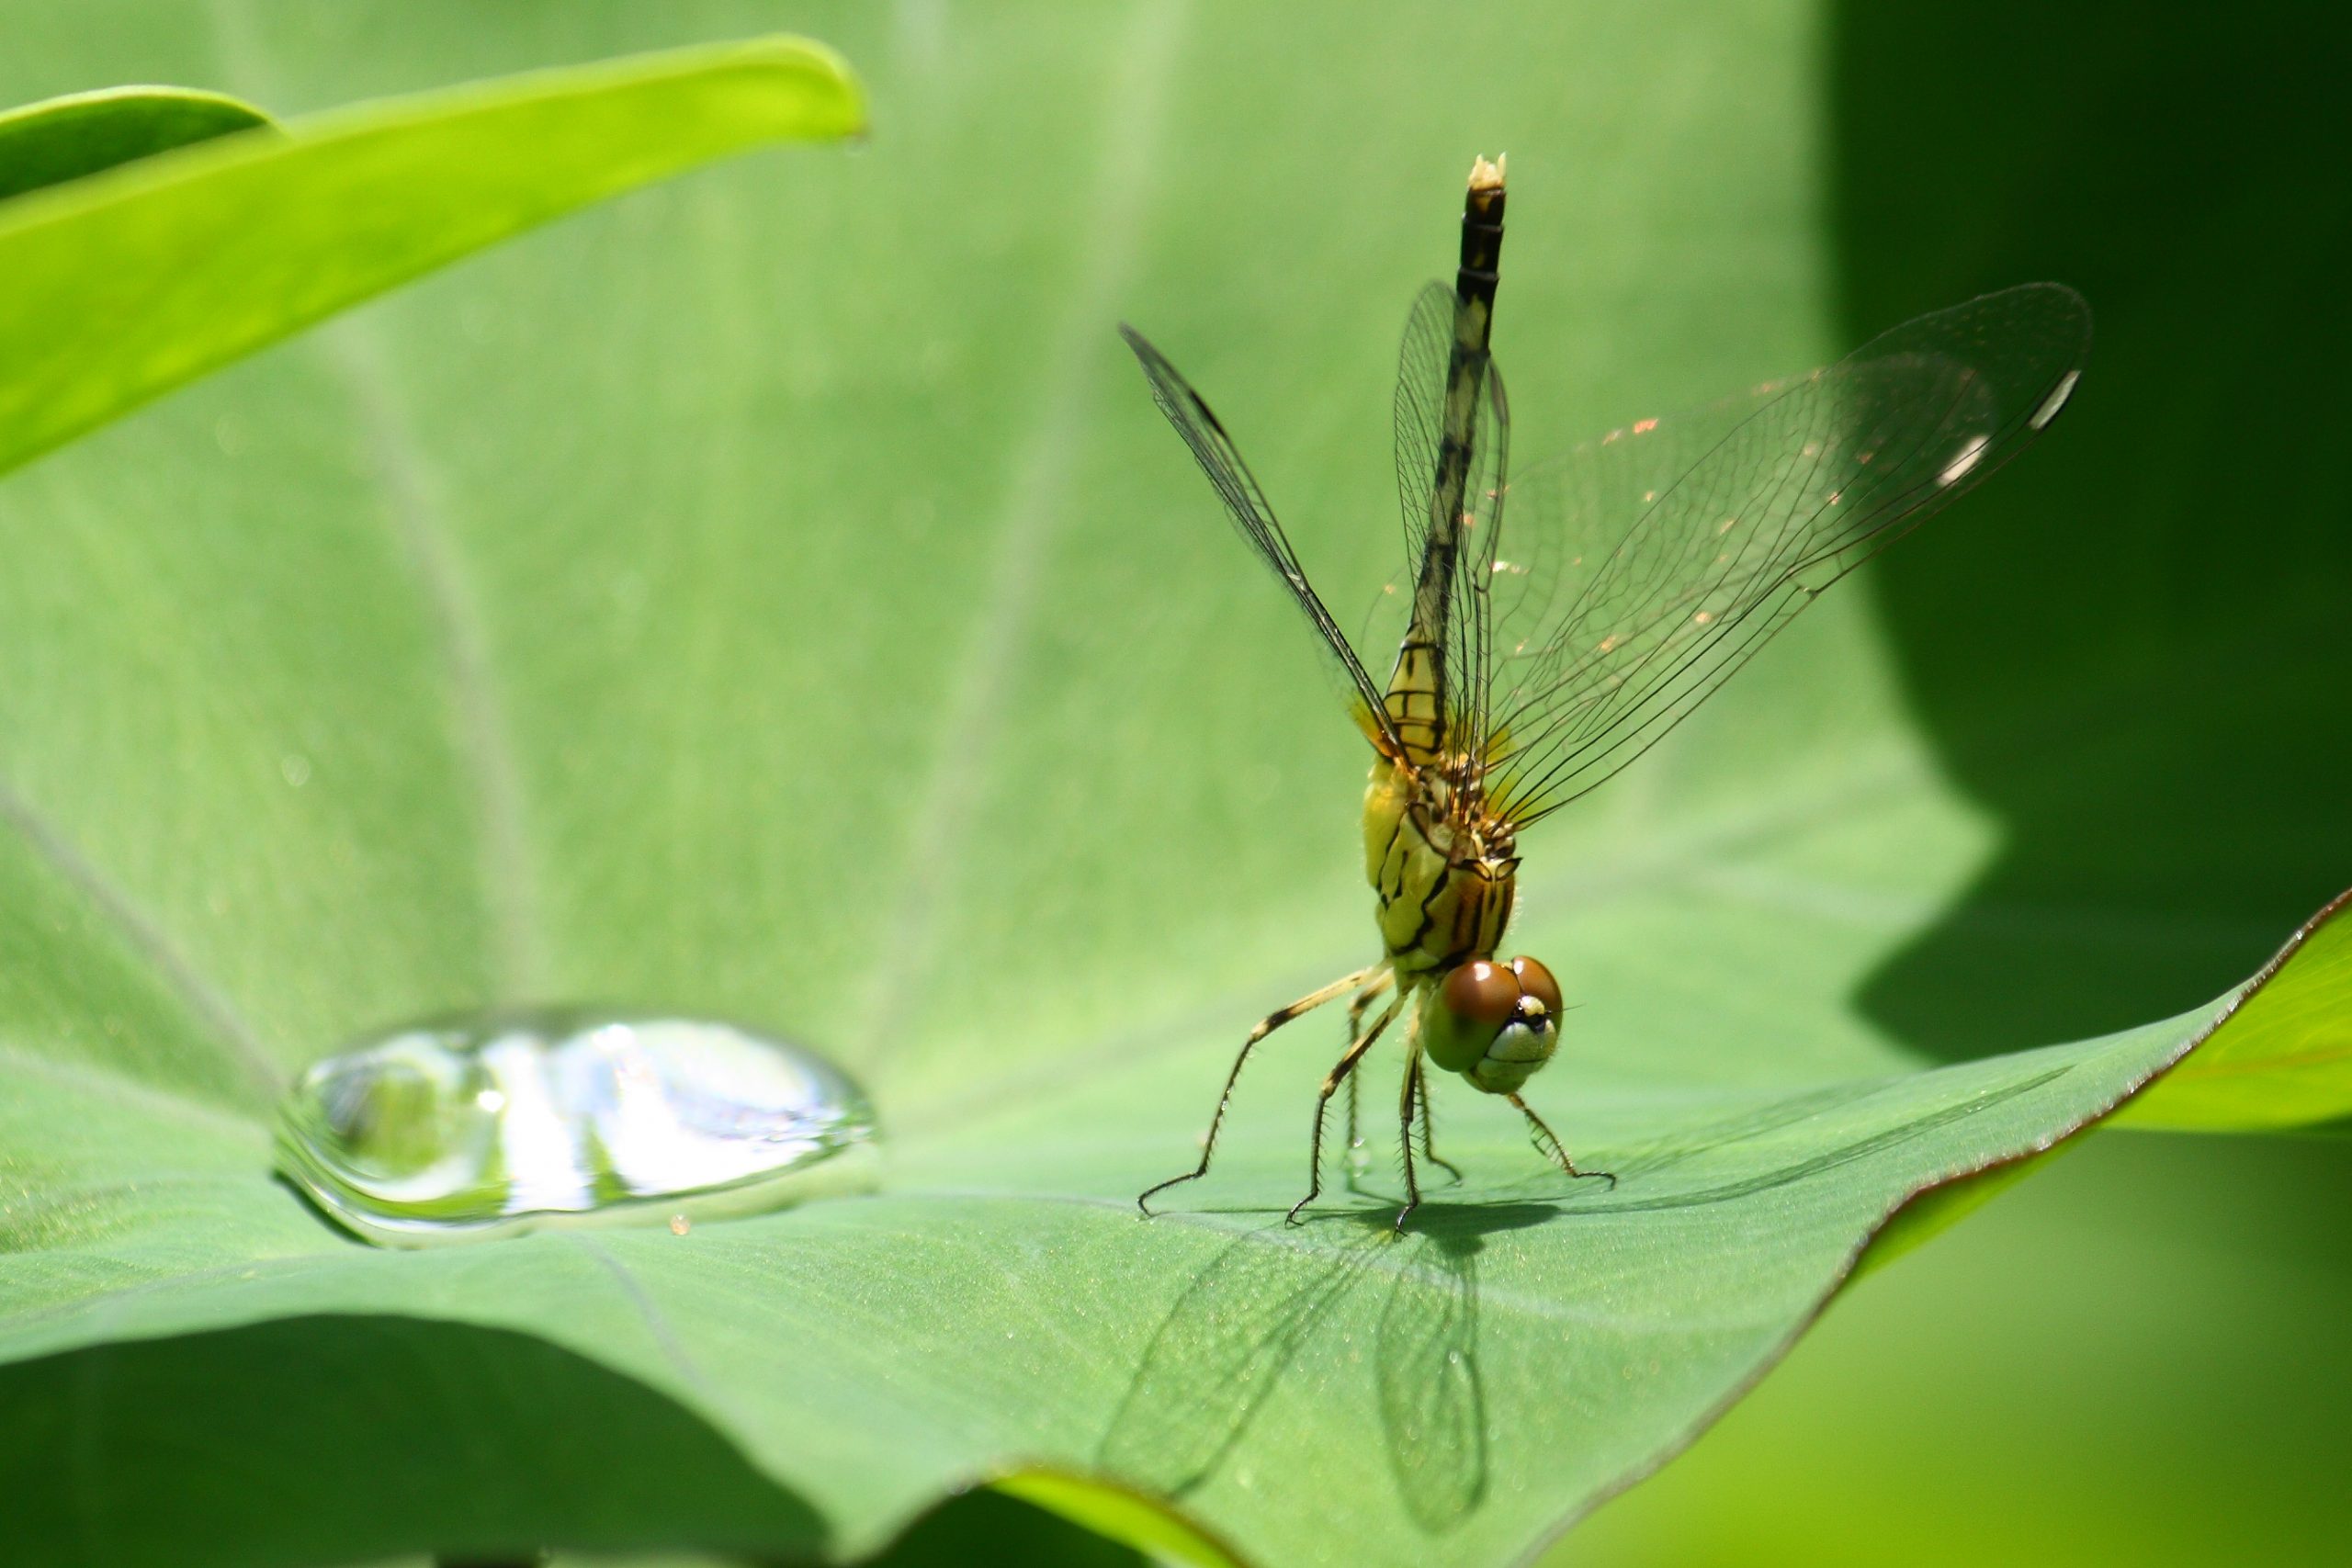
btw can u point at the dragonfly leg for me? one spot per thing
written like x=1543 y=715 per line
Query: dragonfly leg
x=1547 y=1143
x=1272 y=1021
x=1355 y=1141
x=1421 y=1090
x=1364 y=998
x=1331 y=1082
x=1407 y=1100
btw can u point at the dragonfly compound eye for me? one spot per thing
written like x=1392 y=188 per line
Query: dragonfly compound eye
x=1491 y=1022
x=1537 y=981
x=1481 y=992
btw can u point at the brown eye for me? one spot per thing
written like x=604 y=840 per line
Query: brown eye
x=1482 y=993
x=1537 y=982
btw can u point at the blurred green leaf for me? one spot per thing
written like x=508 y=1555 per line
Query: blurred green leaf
x=63 y=139
x=774 y=597
x=123 y=289
x=2018 y=1392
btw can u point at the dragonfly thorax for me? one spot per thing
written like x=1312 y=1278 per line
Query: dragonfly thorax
x=1443 y=872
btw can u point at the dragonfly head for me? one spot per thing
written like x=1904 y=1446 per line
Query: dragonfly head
x=1493 y=1022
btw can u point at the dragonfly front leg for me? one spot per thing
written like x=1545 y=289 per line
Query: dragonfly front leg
x=1331 y=1081
x=1547 y=1143
x=1272 y=1021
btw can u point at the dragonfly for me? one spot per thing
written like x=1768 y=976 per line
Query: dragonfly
x=1558 y=624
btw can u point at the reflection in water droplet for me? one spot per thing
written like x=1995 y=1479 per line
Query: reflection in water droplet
x=2055 y=400
x=1964 y=462
x=493 y=1125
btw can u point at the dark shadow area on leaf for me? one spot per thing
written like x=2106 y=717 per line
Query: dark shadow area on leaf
x=1460 y=1227
x=2132 y=647
x=333 y=1439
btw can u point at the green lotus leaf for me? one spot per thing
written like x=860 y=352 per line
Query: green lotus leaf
x=771 y=596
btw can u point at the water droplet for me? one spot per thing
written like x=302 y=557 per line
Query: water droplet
x=492 y=1125
x=295 y=768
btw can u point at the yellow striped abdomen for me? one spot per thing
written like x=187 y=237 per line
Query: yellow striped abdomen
x=1443 y=898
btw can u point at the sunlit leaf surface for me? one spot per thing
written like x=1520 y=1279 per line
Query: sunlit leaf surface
x=772 y=597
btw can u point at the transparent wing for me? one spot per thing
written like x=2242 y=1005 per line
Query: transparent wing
x=1423 y=369
x=1246 y=503
x=1634 y=576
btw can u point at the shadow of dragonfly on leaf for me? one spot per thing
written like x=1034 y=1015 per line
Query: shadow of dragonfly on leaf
x=1241 y=1325
x=1212 y=1368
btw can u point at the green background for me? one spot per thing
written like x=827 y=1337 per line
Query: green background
x=2137 y=1356
x=1703 y=193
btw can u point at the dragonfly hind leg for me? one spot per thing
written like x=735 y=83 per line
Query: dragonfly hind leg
x=1266 y=1026
x=1352 y=1151
x=1421 y=1092
x=1352 y=1156
x=1331 y=1082
x=1547 y=1143
x=1412 y=1092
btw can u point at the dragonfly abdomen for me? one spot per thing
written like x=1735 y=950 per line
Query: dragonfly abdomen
x=1413 y=704
x=1444 y=898
x=1422 y=688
